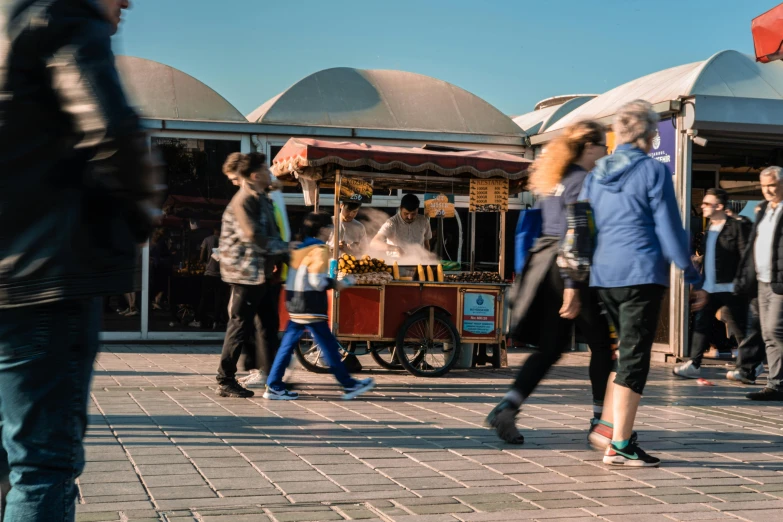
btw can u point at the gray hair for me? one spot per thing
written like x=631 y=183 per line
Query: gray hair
x=635 y=123
x=777 y=172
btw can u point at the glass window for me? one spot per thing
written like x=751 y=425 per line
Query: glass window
x=186 y=292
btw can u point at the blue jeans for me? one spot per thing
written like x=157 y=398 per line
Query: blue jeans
x=46 y=359
x=325 y=340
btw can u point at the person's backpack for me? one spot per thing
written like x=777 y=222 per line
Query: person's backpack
x=576 y=250
x=528 y=231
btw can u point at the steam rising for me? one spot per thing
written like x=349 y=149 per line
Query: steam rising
x=373 y=219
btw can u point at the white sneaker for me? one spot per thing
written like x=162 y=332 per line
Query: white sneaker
x=132 y=313
x=195 y=324
x=359 y=388
x=280 y=395
x=124 y=312
x=254 y=379
x=687 y=370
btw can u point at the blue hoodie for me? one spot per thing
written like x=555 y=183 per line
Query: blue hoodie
x=639 y=228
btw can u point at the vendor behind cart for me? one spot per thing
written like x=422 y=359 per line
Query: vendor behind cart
x=407 y=227
x=353 y=236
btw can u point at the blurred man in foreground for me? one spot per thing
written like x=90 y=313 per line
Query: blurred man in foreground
x=76 y=198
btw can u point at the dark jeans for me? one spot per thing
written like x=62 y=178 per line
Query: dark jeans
x=257 y=356
x=212 y=298
x=46 y=359
x=555 y=337
x=325 y=340
x=751 y=351
x=703 y=323
x=249 y=316
x=634 y=312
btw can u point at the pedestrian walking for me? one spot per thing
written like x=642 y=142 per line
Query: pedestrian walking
x=550 y=302
x=723 y=246
x=751 y=351
x=307 y=304
x=77 y=197
x=639 y=232
x=258 y=362
x=250 y=248
x=761 y=274
x=257 y=359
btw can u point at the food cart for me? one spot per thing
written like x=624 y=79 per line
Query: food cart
x=418 y=317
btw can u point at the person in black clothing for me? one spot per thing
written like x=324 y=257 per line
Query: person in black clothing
x=78 y=196
x=722 y=247
x=751 y=354
x=761 y=275
x=549 y=303
x=211 y=284
x=161 y=260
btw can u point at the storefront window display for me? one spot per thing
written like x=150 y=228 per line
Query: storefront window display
x=185 y=289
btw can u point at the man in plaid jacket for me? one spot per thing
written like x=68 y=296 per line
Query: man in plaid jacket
x=250 y=246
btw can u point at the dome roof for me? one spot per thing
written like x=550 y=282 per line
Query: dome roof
x=545 y=116
x=560 y=100
x=379 y=99
x=727 y=73
x=162 y=92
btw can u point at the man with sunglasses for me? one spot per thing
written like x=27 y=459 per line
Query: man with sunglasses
x=723 y=245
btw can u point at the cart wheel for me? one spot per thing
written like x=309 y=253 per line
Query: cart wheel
x=384 y=355
x=309 y=354
x=428 y=350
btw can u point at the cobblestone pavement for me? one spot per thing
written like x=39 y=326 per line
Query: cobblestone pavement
x=162 y=446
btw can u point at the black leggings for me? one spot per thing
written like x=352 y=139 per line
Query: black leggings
x=555 y=337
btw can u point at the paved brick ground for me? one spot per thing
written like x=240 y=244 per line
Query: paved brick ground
x=162 y=446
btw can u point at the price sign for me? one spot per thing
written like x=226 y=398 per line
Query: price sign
x=355 y=190
x=438 y=205
x=488 y=195
x=478 y=314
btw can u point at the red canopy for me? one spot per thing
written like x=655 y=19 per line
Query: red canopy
x=299 y=154
x=767 y=32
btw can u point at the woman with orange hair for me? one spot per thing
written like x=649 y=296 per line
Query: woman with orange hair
x=549 y=301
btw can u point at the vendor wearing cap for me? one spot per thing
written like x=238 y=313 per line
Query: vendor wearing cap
x=353 y=236
x=407 y=227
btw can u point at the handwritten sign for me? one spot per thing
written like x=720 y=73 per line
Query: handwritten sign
x=488 y=195
x=355 y=190
x=438 y=205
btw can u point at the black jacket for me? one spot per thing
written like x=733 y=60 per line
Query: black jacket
x=76 y=181
x=746 y=282
x=729 y=248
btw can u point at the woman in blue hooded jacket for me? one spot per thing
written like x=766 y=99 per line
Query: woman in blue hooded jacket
x=639 y=234
x=549 y=303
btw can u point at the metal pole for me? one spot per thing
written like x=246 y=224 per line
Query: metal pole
x=145 y=290
x=678 y=292
x=502 y=256
x=336 y=250
x=338 y=178
x=472 y=241
x=439 y=246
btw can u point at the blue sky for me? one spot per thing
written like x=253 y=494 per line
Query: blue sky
x=512 y=53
